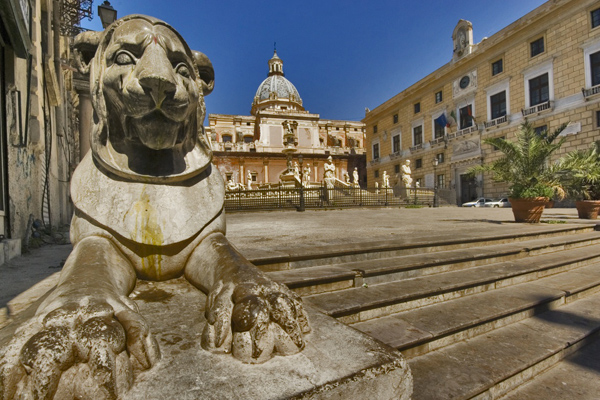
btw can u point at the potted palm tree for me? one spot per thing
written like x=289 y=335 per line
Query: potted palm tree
x=525 y=166
x=579 y=172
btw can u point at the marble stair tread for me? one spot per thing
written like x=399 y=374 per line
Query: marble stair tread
x=414 y=327
x=265 y=256
x=409 y=262
x=311 y=275
x=575 y=377
x=351 y=301
x=472 y=367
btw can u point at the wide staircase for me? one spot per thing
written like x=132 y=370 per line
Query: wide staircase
x=485 y=317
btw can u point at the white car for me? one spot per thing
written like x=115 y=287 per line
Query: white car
x=481 y=202
x=503 y=202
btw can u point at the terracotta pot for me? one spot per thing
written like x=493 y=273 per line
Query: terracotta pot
x=588 y=209
x=528 y=210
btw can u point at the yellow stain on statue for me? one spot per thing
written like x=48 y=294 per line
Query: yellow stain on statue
x=147 y=231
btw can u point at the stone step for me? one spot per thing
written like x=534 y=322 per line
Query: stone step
x=575 y=377
x=426 y=329
x=364 y=303
x=340 y=253
x=491 y=365
x=319 y=279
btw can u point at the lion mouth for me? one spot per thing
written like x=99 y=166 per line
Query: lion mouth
x=155 y=130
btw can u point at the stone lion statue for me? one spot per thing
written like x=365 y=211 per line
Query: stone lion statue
x=149 y=205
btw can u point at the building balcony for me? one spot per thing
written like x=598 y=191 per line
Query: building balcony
x=396 y=155
x=374 y=162
x=538 y=108
x=591 y=92
x=437 y=141
x=416 y=147
x=496 y=122
x=467 y=130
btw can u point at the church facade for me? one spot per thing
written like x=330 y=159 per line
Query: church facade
x=543 y=68
x=248 y=148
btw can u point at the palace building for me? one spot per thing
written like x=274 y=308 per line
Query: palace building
x=543 y=68
x=248 y=148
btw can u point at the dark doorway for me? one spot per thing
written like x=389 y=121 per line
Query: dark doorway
x=468 y=188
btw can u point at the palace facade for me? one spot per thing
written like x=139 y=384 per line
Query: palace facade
x=248 y=148
x=543 y=68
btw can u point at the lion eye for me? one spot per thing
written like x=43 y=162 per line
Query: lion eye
x=183 y=70
x=124 y=59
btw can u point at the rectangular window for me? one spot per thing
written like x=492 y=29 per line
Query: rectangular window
x=597 y=119
x=539 y=90
x=441 y=181
x=440 y=157
x=417 y=108
x=375 y=151
x=397 y=168
x=438 y=130
x=417 y=135
x=541 y=130
x=438 y=97
x=537 y=46
x=497 y=67
x=466 y=117
x=226 y=138
x=419 y=163
x=498 y=105
x=228 y=176
x=395 y=118
x=595 y=15
x=376 y=173
x=374 y=128
x=396 y=144
x=595 y=66
x=494 y=147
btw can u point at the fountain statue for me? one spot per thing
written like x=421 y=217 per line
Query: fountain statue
x=148 y=205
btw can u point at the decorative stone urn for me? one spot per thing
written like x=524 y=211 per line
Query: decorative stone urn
x=588 y=209
x=529 y=209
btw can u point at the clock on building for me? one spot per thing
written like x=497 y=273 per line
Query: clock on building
x=464 y=81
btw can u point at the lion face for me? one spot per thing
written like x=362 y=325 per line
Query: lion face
x=148 y=95
x=149 y=82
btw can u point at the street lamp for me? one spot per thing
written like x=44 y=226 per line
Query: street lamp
x=435 y=182
x=107 y=14
x=300 y=160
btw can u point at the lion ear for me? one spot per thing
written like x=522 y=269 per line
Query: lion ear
x=207 y=73
x=84 y=48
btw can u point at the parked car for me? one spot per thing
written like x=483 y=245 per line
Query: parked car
x=503 y=202
x=480 y=202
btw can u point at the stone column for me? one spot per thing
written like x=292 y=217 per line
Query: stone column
x=266 y=168
x=82 y=86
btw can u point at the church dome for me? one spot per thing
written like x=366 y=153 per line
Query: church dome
x=278 y=85
x=276 y=92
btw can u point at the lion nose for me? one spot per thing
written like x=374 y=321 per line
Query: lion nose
x=158 y=80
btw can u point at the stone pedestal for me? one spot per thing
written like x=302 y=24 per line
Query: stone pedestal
x=337 y=363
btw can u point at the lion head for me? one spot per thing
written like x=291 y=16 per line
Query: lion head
x=148 y=92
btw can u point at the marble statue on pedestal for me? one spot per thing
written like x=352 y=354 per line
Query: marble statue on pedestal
x=249 y=180
x=148 y=205
x=406 y=174
x=386 y=180
x=355 y=176
x=329 y=172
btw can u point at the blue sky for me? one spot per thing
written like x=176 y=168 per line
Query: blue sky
x=342 y=55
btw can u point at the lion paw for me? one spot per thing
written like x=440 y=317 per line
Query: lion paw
x=77 y=351
x=254 y=320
